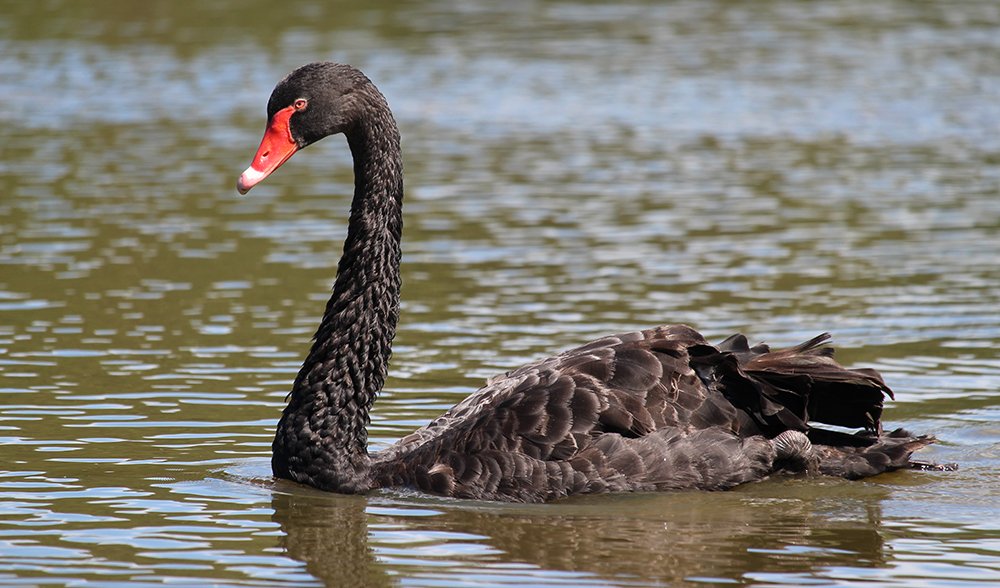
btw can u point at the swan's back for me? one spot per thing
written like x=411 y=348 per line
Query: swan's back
x=649 y=410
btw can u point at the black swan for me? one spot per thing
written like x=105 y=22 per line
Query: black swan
x=650 y=410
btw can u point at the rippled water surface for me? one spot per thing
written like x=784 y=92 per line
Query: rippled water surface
x=773 y=167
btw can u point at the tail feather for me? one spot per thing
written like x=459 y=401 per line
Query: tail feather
x=890 y=452
x=834 y=394
x=788 y=389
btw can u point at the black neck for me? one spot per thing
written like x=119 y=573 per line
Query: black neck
x=347 y=365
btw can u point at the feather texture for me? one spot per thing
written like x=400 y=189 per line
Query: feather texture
x=658 y=409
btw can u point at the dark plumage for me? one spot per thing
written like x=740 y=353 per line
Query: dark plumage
x=658 y=409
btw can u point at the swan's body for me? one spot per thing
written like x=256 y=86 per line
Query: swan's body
x=651 y=410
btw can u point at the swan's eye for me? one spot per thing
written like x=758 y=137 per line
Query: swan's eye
x=300 y=104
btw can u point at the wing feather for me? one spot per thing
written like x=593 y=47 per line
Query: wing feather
x=652 y=409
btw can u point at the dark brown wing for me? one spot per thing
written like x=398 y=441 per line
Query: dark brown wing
x=630 y=384
x=647 y=410
x=552 y=415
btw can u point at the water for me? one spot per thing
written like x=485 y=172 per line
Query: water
x=573 y=169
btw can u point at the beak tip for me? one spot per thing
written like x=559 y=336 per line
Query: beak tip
x=249 y=179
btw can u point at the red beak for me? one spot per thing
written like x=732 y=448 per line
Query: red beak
x=275 y=149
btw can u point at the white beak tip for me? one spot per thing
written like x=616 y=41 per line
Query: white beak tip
x=249 y=179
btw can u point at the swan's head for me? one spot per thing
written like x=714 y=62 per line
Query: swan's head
x=312 y=102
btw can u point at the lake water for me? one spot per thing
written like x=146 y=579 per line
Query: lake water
x=573 y=168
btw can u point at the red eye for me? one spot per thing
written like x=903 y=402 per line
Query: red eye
x=300 y=104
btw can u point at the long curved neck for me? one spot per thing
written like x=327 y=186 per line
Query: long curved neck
x=322 y=436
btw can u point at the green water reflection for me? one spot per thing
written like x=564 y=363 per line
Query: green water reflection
x=573 y=169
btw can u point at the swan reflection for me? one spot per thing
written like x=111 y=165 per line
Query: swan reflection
x=788 y=527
